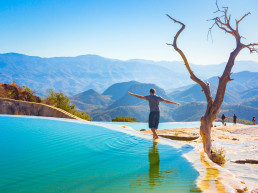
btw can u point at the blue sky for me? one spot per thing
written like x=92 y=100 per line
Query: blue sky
x=122 y=29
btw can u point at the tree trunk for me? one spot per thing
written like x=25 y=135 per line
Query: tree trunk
x=213 y=106
x=205 y=132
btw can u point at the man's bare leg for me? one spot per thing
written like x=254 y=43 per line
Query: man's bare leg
x=154 y=131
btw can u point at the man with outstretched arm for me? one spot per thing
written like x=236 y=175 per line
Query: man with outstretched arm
x=154 y=116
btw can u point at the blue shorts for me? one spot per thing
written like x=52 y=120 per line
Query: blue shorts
x=154 y=119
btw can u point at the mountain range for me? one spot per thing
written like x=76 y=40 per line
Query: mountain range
x=243 y=88
x=100 y=85
x=241 y=97
x=73 y=75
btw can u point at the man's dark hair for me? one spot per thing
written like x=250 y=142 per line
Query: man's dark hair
x=152 y=90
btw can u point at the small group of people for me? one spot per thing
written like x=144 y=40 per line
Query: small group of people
x=223 y=117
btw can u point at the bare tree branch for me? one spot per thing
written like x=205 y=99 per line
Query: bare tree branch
x=205 y=87
x=209 y=32
x=178 y=33
x=225 y=78
x=254 y=44
x=225 y=25
x=251 y=47
x=217 y=6
x=220 y=26
x=238 y=21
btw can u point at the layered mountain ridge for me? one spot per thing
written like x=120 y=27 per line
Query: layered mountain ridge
x=73 y=75
x=241 y=97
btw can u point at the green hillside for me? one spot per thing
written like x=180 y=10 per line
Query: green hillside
x=141 y=112
x=241 y=111
x=189 y=112
x=249 y=94
x=251 y=102
x=92 y=97
x=243 y=90
x=243 y=87
x=85 y=107
x=118 y=90
x=141 y=89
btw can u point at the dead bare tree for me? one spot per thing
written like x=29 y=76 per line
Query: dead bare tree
x=213 y=105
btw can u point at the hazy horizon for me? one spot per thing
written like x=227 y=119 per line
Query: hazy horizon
x=140 y=59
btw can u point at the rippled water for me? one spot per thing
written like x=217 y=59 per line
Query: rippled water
x=51 y=155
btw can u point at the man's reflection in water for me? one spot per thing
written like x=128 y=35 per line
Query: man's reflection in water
x=154 y=161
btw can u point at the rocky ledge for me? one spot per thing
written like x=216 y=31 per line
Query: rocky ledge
x=17 y=107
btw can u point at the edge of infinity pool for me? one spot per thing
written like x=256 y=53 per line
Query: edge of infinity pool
x=209 y=173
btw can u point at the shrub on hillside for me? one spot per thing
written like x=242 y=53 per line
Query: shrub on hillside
x=125 y=119
x=16 y=92
x=59 y=100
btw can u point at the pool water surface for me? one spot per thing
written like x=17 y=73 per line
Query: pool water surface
x=59 y=155
x=166 y=125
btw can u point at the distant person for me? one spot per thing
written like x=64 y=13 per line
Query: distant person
x=234 y=119
x=223 y=117
x=253 y=120
x=154 y=115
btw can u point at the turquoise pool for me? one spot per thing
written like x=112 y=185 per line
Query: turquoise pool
x=60 y=155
